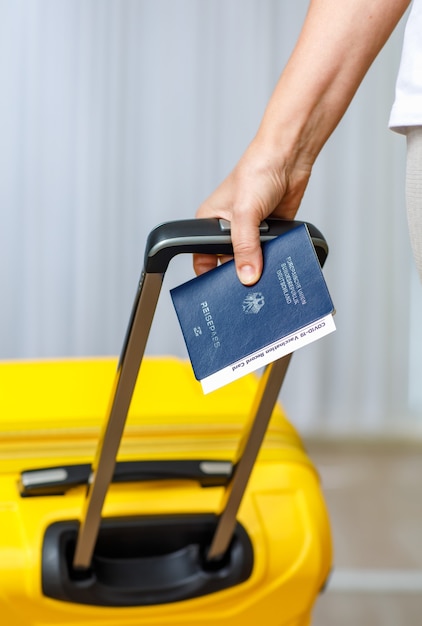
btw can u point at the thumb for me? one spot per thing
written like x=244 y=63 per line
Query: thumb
x=247 y=250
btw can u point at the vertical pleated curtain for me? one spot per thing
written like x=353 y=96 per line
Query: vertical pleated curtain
x=116 y=115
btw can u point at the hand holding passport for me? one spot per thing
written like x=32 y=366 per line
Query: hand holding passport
x=231 y=330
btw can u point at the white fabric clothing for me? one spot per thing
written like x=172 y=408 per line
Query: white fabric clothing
x=407 y=107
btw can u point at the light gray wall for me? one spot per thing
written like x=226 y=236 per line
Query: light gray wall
x=116 y=115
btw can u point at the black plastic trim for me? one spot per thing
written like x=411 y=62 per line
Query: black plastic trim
x=206 y=236
x=143 y=561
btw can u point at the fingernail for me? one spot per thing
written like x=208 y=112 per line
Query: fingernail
x=247 y=274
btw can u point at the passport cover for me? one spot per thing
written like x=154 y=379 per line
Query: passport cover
x=231 y=330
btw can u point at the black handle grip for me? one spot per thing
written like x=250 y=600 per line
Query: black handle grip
x=57 y=480
x=212 y=236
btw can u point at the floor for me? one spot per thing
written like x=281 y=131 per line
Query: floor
x=374 y=495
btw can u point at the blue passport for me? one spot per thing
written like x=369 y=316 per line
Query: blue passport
x=231 y=330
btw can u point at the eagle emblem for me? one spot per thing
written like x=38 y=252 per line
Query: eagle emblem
x=253 y=302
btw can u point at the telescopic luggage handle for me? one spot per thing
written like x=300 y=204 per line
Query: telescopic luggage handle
x=164 y=242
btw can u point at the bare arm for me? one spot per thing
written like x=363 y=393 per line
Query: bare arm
x=338 y=42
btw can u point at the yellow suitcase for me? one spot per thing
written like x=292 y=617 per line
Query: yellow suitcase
x=186 y=518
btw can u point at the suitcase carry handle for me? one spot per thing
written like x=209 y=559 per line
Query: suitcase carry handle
x=166 y=241
x=58 y=480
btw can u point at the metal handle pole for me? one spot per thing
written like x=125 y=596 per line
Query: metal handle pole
x=264 y=402
x=109 y=443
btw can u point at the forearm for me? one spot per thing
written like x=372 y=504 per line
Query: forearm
x=338 y=42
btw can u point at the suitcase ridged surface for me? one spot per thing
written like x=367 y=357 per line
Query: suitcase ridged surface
x=51 y=413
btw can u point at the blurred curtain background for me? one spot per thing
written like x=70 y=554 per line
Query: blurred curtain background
x=116 y=115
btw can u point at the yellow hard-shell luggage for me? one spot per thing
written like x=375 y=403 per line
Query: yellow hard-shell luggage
x=195 y=522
